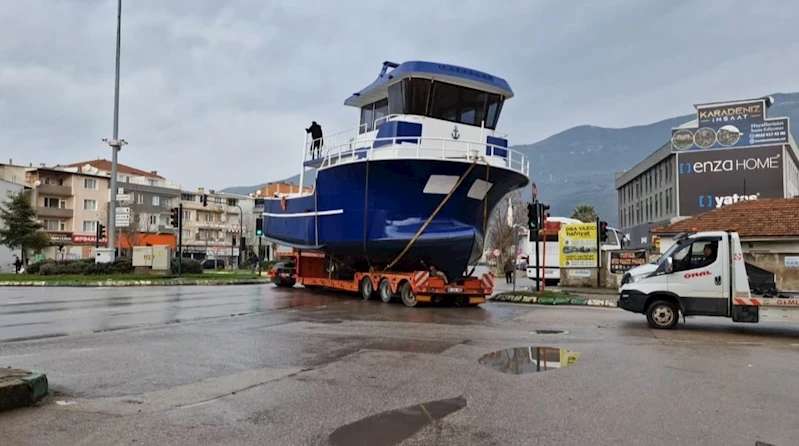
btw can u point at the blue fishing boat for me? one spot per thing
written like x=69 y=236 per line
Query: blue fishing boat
x=413 y=184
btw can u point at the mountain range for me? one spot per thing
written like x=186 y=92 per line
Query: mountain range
x=579 y=165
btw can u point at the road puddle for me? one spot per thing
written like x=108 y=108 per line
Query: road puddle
x=522 y=360
x=390 y=428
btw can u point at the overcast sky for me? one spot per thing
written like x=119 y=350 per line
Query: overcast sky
x=217 y=93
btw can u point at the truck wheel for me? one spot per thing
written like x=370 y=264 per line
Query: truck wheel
x=407 y=295
x=384 y=287
x=662 y=314
x=367 y=288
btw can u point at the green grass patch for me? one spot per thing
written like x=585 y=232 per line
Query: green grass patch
x=552 y=294
x=124 y=277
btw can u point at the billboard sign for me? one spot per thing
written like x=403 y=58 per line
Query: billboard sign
x=731 y=125
x=578 y=245
x=712 y=179
x=624 y=260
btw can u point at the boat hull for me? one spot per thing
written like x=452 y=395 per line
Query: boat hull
x=366 y=213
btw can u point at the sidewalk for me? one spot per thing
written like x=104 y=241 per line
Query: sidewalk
x=19 y=388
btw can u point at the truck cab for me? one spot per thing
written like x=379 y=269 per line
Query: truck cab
x=702 y=274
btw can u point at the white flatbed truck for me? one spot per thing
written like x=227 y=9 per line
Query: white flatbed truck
x=689 y=281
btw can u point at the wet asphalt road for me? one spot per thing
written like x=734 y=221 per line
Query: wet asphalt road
x=300 y=367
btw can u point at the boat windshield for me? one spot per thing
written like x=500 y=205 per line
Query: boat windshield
x=434 y=99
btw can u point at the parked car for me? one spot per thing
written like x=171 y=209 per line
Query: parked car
x=283 y=273
x=213 y=264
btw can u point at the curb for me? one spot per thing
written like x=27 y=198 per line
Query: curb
x=124 y=283
x=527 y=299
x=19 y=388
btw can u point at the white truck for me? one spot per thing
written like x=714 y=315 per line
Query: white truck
x=702 y=274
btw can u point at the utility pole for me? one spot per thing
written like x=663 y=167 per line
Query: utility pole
x=115 y=143
x=180 y=238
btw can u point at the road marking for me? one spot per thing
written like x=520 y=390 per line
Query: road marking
x=746 y=343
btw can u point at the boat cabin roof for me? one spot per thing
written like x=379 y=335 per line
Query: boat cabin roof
x=453 y=74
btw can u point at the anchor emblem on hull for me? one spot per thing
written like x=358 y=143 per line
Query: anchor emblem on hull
x=455 y=133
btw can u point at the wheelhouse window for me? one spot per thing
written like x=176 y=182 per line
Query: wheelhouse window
x=373 y=115
x=445 y=101
x=440 y=100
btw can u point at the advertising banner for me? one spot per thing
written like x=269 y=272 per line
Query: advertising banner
x=712 y=179
x=622 y=261
x=731 y=125
x=578 y=247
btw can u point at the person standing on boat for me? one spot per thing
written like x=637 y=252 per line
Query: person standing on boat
x=316 y=135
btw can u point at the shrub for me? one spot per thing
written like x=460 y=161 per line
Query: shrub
x=121 y=265
x=33 y=268
x=188 y=266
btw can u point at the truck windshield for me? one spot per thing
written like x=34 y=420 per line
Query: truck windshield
x=671 y=250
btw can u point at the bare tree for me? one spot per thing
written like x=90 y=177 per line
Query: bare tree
x=135 y=233
x=500 y=235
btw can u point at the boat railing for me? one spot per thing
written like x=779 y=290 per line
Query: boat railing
x=399 y=147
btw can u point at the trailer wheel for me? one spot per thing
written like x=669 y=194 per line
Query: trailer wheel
x=384 y=287
x=662 y=314
x=367 y=288
x=407 y=295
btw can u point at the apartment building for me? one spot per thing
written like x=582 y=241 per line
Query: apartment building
x=8 y=190
x=152 y=195
x=69 y=203
x=209 y=231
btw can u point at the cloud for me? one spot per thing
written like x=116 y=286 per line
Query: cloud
x=218 y=93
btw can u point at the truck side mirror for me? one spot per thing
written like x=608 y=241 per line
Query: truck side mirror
x=669 y=265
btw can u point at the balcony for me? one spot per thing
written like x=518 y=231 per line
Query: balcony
x=61 y=213
x=54 y=190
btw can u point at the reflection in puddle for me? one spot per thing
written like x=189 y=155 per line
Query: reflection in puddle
x=390 y=428
x=517 y=361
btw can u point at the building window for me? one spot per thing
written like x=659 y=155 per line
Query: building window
x=89 y=226
x=90 y=183
x=156 y=200
x=209 y=217
x=188 y=197
x=139 y=198
x=153 y=219
x=232 y=202
x=55 y=225
x=58 y=203
x=152 y=182
x=187 y=234
x=186 y=215
x=89 y=205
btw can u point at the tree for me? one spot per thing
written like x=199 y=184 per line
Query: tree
x=499 y=235
x=21 y=230
x=133 y=235
x=585 y=213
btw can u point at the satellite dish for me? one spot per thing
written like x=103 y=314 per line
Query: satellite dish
x=37 y=183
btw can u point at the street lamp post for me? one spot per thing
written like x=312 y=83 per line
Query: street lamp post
x=115 y=142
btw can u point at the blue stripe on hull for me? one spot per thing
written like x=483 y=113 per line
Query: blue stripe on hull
x=396 y=207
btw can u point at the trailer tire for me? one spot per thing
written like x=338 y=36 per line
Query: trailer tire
x=407 y=295
x=662 y=314
x=384 y=289
x=367 y=288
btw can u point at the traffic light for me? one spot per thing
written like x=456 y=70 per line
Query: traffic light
x=544 y=212
x=532 y=216
x=100 y=231
x=603 y=231
x=204 y=200
x=259 y=226
x=174 y=217
x=234 y=239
